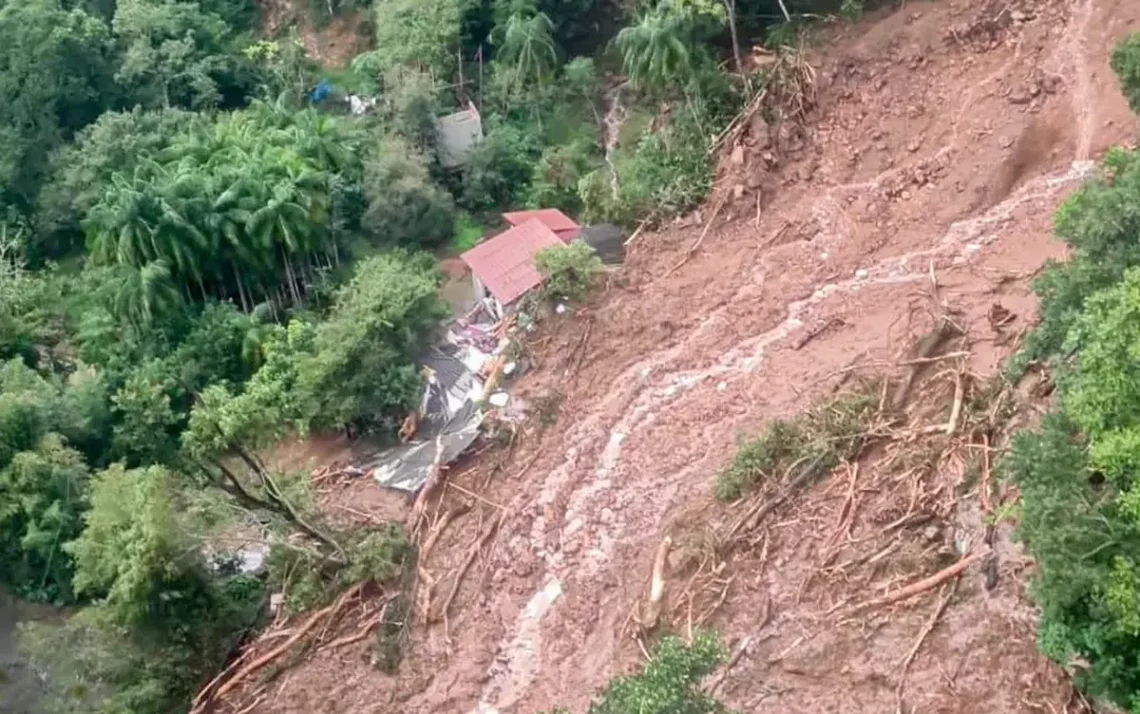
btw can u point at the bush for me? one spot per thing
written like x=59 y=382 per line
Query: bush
x=405 y=207
x=758 y=459
x=670 y=681
x=554 y=183
x=1086 y=581
x=1078 y=476
x=500 y=170
x=818 y=440
x=570 y=271
x=1126 y=64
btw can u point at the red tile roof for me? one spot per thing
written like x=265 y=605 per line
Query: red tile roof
x=505 y=263
x=562 y=225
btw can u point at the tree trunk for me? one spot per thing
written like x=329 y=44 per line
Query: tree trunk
x=278 y=499
x=290 y=279
x=730 y=6
x=241 y=288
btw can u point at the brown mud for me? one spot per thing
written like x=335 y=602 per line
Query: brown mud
x=944 y=137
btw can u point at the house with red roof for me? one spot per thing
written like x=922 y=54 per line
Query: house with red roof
x=503 y=267
x=563 y=226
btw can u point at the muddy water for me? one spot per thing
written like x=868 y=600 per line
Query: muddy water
x=19 y=687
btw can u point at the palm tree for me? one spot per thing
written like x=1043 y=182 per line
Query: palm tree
x=528 y=43
x=666 y=48
x=655 y=52
x=145 y=293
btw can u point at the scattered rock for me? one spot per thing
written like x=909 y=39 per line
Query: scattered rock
x=737 y=156
x=1006 y=142
x=738 y=191
x=914 y=145
x=759 y=131
x=1021 y=95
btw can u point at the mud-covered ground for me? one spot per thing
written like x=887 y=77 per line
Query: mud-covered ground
x=945 y=135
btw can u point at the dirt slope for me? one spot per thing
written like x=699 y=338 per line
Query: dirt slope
x=945 y=135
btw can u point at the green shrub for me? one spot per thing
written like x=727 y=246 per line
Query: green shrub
x=1084 y=543
x=570 y=271
x=1126 y=64
x=818 y=439
x=669 y=683
x=500 y=170
x=1099 y=222
x=405 y=207
x=757 y=459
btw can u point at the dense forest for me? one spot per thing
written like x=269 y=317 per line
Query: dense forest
x=203 y=250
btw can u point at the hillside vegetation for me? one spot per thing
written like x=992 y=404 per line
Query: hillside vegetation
x=1077 y=472
x=200 y=254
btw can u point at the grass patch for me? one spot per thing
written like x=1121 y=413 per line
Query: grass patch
x=468 y=231
x=829 y=432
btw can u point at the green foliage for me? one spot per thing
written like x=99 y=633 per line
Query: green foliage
x=43 y=491
x=526 y=44
x=1086 y=583
x=56 y=76
x=236 y=209
x=758 y=459
x=466 y=234
x=817 y=440
x=405 y=207
x=361 y=371
x=665 y=50
x=670 y=681
x=1099 y=222
x=558 y=173
x=80 y=172
x=569 y=271
x=175 y=54
x=379 y=554
x=500 y=170
x=1126 y=63
x=1077 y=472
x=667 y=170
x=419 y=33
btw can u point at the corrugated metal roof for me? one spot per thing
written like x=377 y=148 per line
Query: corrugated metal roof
x=562 y=225
x=505 y=263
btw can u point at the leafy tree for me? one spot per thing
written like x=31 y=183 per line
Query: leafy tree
x=558 y=172
x=56 y=76
x=237 y=209
x=31 y=305
x=665 y=49
x=361 y=371
x=81 y=172
x=1126 y=63
x=570 y=271
x=527 y=44
x=1084 y=551
x=499 y=170
x=43 y=476
x=176 y=55
x=1099 y=222
x=43 y=492
x=418 y=33
x=164 y=621
x=404 y=206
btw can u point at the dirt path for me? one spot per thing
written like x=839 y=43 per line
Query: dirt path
x=946 y=135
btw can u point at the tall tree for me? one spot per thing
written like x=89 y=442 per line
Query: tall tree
x=56 y=76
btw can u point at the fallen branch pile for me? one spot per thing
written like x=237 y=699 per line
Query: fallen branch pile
x=246 y=664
